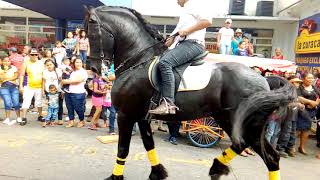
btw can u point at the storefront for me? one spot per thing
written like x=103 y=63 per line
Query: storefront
x=307 y=46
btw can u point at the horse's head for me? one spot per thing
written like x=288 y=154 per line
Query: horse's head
x=101 y=40
x=119 y=34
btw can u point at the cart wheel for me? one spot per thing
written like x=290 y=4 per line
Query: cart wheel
x=202 y=137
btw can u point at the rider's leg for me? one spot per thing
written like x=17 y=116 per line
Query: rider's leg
x=181 y=54
x=157 y=170
x=125 y=128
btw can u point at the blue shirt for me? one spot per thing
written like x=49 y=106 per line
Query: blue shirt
x=234 y=45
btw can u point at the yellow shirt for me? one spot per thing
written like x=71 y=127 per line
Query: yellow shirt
x=34 y=71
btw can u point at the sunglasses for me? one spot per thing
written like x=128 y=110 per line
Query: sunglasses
x=33 y=54
x=228 y=23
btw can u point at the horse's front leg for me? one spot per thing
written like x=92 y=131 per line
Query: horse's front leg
x=125 y=126
x=158 y=171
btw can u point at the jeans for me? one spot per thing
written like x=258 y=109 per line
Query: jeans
x=52 y=114
x=225 y=49
x=10 y=96
x=83 y=56
x=287 y=137
x=183 y=53
x=318 y=132
x=112 y=116
x=60 y=111
x=173 y=129
x=272 y=132
x=75 y=102
x=69 y=52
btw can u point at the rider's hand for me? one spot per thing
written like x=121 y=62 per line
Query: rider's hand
x=183 y=33
x=169 y=41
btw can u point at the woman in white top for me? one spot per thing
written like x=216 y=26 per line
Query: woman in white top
x=75 y=97
x=225 y=36
x=52 y=75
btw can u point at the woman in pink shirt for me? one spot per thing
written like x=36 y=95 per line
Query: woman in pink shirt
x=83 y=48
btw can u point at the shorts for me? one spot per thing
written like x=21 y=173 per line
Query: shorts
x=97 y=101
x=28 y=94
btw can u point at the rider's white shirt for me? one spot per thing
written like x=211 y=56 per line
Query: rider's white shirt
x=192 y=12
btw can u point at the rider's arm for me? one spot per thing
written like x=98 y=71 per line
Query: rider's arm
x=202 y=24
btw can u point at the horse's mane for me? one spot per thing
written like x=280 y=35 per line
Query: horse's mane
x=151 y=29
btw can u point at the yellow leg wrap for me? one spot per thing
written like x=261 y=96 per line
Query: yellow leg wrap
x=227 y=156
x=118 y=169
x=274 y=175
x=153 y=157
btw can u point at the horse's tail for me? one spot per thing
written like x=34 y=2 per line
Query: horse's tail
x=255 y=110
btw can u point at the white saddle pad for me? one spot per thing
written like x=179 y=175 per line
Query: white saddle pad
x=196 y=77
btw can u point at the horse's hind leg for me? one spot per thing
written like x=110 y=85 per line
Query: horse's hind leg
x=220 y=164
x=270 y=157
x=125 y=126
x=157 y=170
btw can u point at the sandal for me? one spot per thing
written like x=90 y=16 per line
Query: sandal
x=93 y=127
x=244 y=154
x=249 y=151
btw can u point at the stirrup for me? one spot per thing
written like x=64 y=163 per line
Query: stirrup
x=171 y=107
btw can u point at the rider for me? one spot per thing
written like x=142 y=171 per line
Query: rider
x=192 y=25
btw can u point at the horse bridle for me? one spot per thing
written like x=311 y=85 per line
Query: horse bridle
x=110 y=60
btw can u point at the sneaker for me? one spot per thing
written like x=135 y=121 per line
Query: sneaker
x=12 y=122
x=6 y=121
x=291 y=152
x=23 y=122
x=41 y=119
x=283 y=154
x=111 y=132
x=173 y=141
x=19 y=120
x=66 y=119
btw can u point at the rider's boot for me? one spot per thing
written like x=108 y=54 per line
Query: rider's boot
x=164 y=108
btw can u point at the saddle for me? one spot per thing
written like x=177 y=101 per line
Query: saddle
x=186 y=75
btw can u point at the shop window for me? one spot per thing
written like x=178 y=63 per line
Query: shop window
x=13 y=20
x=41 y=22
x=41 y=39
x=8 y=39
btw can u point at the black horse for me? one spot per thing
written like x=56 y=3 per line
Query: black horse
x=236 y=96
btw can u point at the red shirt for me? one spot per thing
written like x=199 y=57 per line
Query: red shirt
x=278 y=57
x=17 y=61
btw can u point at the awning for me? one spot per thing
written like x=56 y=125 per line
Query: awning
x=58 y=9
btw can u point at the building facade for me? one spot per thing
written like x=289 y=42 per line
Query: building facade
x=20 y=26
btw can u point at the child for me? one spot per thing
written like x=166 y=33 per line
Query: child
x=108 y=106
x=59 y=53
x=53 y=106
x=70 y=44
x=66 y=71
x=242 y=50
x=97 y=99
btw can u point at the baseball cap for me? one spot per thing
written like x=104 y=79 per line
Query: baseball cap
x=228 y=20
x=13 y=49
x=34 y=51
x=238 y=31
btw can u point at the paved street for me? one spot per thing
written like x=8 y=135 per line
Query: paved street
x=57 y=153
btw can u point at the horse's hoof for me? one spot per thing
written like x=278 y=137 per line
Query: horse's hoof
x=215 y=177
x=113 y=177
x=158 y=172
x=218 y=169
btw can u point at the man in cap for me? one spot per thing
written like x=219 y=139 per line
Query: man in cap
x=238 y=39
x=15 y=58
x=225 y=36
x=34 y=69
